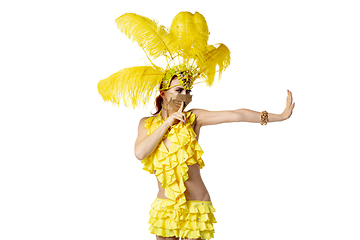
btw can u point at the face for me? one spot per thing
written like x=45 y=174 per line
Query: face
x=166 y=95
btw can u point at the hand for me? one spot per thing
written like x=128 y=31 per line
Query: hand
x=179 y=115
x=289 y=107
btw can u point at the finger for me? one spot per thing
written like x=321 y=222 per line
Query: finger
x=182 y=106
x=290 y=99
x=181 y=117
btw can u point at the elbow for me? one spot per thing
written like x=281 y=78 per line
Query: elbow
x=237 y=116
x=139 y=153
x=240 y=115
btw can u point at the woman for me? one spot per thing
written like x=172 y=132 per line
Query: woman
x=167 y=143
x=196 y=191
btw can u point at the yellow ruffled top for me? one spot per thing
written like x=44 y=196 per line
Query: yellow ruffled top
x=171 y=165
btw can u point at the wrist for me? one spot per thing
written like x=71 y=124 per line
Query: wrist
x=282 y=117
x=275 y=117
x=167 y=124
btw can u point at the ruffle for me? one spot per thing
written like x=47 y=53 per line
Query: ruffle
x=172 y=165
x=186 y=135
x=196 y=221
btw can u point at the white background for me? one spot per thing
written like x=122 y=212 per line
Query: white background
x=68 y=170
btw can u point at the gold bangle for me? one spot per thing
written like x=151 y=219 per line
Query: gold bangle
x=264 y=118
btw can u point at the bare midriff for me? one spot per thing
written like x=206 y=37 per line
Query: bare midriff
x=195 y=187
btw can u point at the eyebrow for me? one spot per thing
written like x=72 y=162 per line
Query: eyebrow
x=180 y=87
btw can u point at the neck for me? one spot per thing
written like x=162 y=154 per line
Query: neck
x=165 y=113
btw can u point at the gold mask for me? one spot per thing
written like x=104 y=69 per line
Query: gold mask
x=176 y=98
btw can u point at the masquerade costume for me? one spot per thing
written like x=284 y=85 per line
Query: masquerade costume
x=176 y=216
x=187 y=55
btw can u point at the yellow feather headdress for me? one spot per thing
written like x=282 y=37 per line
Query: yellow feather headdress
x=185 y=48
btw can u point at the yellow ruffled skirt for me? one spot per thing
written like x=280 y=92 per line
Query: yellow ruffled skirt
x=195 y=222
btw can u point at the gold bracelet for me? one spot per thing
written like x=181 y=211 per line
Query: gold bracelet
x=264 y=118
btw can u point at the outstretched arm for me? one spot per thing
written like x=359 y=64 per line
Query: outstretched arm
x=205 y=117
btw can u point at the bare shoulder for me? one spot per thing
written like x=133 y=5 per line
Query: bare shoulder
x=142 y=131
x=198 y=113
x=142 y=122
x=144 y=119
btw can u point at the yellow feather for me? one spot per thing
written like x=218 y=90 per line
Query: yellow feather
x=188 y=36
x=151 y=36
x=133 y=86
x=217 y=60
x=187 y=39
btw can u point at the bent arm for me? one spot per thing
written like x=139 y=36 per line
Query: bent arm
x=145 y=144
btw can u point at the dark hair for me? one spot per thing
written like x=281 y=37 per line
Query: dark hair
x=159 y=100
x=158 y=104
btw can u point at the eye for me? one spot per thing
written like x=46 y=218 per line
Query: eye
x=179 y=90
x=188 y=91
